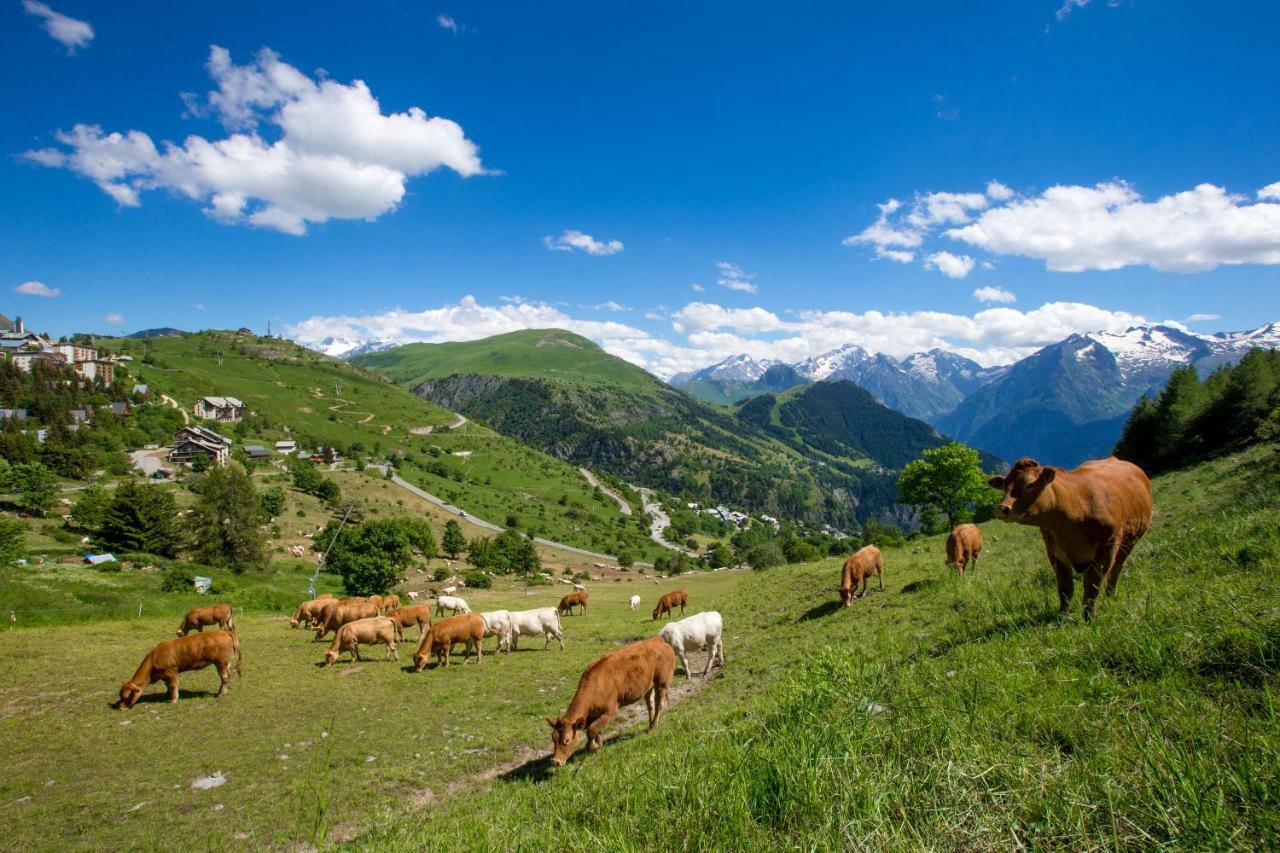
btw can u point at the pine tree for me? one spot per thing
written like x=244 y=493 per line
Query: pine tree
x=228 y=516
x=453 y=542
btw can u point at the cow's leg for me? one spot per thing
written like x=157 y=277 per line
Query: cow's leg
x=224 y=672
x=711 y=658
x=479 y=652
x=594 y=741
x=659 y=696
x=1093 y=577
x=172 y=681
x=355 y=652
x=1065 y=576
x=880 y=577
x=684 y=662
x=648 y=703
x=391 y=652
x=1113 y=575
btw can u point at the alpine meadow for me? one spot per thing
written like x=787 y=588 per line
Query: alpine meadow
x=640 y=428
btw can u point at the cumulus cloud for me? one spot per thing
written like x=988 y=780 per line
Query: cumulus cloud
x=68 y=32
x=734 y=277
x=993 y=294
x=337 y=155
x=572 y=239
x=37 y=288
x=703 y=333
x=952 y=266
x=115 y=319
x=1073 y=228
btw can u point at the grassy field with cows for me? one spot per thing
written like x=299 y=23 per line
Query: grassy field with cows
x=943 y=712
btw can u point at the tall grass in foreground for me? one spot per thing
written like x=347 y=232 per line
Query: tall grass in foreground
x=996 y=725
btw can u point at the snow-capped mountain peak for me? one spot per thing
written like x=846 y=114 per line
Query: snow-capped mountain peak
x=824 y=366
x=736 y=368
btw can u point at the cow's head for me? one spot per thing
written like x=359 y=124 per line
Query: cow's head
x=564 y=739
x=846 y=594
x=420 y=661
x=130 y=693
x=1022 y=487
x=330 y=657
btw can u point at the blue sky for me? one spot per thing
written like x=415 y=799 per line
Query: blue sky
x=1056 y=169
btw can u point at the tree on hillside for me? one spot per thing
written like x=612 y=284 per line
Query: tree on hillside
x=11 y=540
x=34 y=485
x=947 y=483
x=90 y=507
x=453 y=542
x=141 y=518
x=272 y=501
x=228 y=515
x=420 y=536
x=371 y=557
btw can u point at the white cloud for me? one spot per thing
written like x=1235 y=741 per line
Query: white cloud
x=199 y=306
x=993 y=294
x=115 y=319
x=38 y=288
x=943 y=109
x=1109 y=226
x=998 y=191
x=573 y=239
x=447 y=23
x=952 y=266
x=610 y=306
x=702 y=316
x=898 y=255
x=1270 y=191
x=1069 y=6
x=697 y=288
x=734 y=277
x=337 y=155
x=1203 y=318
x=69 y=32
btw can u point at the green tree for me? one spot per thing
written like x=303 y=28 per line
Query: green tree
x=949 y=480
x=90 y=507
x=481 y=553
x=719 y=556
x=766 y=556
x=453 y=542
x=228 y=518
x=11 y=540
x=371 y=557
x=626 y=558
x=35 y=486
x=419 y=534
x=141 y=518
x=272 y=501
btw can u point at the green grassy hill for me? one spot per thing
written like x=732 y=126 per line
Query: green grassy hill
x=563 y=394
x=293 y=392
x=941 y=713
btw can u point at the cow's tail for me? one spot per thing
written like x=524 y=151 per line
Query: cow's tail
x=399 y=630
x=231 y=619
x=235 y=646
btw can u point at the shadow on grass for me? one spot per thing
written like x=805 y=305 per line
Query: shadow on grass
x=536 y=770
x=826 y=608
x=162 y=696
x=917 y=586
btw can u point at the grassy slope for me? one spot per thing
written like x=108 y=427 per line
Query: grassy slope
x=941 y=713
x=952 y=713
x=295 y=387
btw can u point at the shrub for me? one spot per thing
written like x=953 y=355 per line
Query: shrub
x=441 y=574
x=477 y=580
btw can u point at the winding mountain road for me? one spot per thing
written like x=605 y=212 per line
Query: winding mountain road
x=659 y=520
x=623 y=506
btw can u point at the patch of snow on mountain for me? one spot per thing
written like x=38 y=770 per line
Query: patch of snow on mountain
x=821 y=367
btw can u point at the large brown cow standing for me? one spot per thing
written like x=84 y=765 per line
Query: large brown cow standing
x=858 y=569
x=964 y=545
x=1090 y=518
x=167 y=659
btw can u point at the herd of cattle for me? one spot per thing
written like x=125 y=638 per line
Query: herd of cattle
x=1090 y=519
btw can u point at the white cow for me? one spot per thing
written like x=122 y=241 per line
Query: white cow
x=695 y=633
x=580 y=587
x=635 y=602
x=451 y=602
x=497 y=623
x=449 y=590
x=544 y=621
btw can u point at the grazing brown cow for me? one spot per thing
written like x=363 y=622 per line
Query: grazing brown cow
x=464 y=628
x=963 y=546
x=571 y=601
x=1090 y=518
x=376 y=601
x=308 y=612
x=199 y=618
x=339 y=615
x=668 y=603
x=414 y=614
x=640 y=670
x=167 y=659
x=378 y=629
x=858 y=569
x=390 y=602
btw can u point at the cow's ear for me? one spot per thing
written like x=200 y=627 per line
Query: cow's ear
x=996 y=482
x=1046 y=476
x=551 y=722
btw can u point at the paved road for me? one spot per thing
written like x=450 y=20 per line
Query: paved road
x=623 y=506
x=659 y=520
x=488 y=525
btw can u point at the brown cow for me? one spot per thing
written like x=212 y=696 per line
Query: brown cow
x=390 y=602
x=571 y=601
x=1090 y=518
x=308 y=612
x=640 y=670
x=376 y=601
x=669 y=601
x=858 y=569
x=414 y=614
x=377 y=629
x=464 y=628
x=167 y=659
x=964 y=545
x=199 y=618
x=335 y=617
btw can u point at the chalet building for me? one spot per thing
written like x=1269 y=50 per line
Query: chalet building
x=103 y=371
x=13 y=414
x=25 y=359
x=287 y=446
x=192 y=441
x=76 y=353
x=221 y=409
x=256 y=451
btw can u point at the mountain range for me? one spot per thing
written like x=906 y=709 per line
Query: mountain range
x=1062 y=404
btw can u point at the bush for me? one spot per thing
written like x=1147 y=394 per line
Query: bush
x=477 y=580
x=176 y=579
x=765 y=556
x=441 y=574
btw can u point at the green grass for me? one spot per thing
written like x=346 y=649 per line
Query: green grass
x=942 y=713
x=532 y=354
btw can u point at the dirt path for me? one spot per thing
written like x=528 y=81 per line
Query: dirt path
x=169 y=401
x=534 y=763
x=623 y=506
